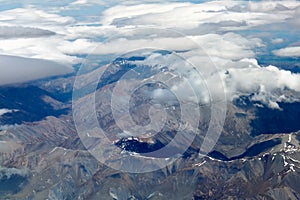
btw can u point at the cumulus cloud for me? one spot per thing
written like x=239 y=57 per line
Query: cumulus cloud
x=17 y=69
x=268 y=84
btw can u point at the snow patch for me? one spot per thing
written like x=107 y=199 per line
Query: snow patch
x=5 y=111
x=199 y=164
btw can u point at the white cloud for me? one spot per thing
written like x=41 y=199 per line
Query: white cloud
x=79 y=46
x=85 y=31
x=268 y=84
x=39 y=48
x=28 y=43
x=209 y=26
x=123 y=11
x=182 y=16
x=229 y=46
x=17 y=69
x=229 y=51
x=79 y=2
x=252 y=79
x=111 y=3
x=288 y=52
x=23 y=41
x=295 y=19
x=123 y=45
x=277 y=41
x=36 y=19
x=23 y=32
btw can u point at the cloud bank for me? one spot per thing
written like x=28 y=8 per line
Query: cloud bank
x=23 y=32
x=18 y=69
x=233 y=33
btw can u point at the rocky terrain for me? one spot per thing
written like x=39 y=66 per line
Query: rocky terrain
x=42 y=157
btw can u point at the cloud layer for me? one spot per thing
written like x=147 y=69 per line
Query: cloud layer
x=18 y=69
x=23 y=32
x=233 y=33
